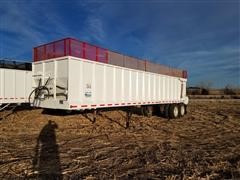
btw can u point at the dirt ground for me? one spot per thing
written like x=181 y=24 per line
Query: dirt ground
x=203 y=144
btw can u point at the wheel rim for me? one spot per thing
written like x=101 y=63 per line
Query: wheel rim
x=175 y=111
x=182 y=110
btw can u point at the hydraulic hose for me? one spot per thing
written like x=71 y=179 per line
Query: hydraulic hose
x=38 y=90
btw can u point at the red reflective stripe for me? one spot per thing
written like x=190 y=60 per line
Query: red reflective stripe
x=94 y=105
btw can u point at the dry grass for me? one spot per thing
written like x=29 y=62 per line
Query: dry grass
x=203 y=144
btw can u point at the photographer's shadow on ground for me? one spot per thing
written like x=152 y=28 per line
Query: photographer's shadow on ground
x=46 y=161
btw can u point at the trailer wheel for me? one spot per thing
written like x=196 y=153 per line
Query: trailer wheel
x=182 y=110
x=173 y=111
x=147 y=111
x=160 y=110
x=166 y=111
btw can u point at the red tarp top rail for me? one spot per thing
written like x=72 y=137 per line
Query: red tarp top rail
x=76 y=48
x=70 y=47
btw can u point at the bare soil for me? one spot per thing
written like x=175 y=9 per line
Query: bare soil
x=35 y=144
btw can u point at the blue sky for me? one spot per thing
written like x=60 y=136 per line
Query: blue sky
x=198 y=35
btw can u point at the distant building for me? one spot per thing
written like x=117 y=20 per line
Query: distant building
x=194 y=91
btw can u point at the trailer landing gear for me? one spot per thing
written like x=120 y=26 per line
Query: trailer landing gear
x=92 y=116
x=128 y=117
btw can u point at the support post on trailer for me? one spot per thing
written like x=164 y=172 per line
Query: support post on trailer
x=4 y=107
x=11 y=110
x=93 y=115
x=128 y=117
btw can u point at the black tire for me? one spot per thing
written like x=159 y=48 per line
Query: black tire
x=156 y=110
x=166 y=111
x=173 y=111
x=160 y=110
x=182 y=110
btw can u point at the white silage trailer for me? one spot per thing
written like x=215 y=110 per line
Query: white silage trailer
x=15 y=82
x=73 y=75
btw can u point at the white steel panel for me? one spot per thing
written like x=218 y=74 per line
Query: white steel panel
x=28 y=84
x=75 y=85
x=118 y=81
x=92 y=84
x=133 y=86
x=9 y=84
x=109 y=85
x=15 y=85
x=140 y=87
x=99 y=88
x=62 y=73
x=152 y=92
x=147 y=87
x=20 y=83
x=126 y=85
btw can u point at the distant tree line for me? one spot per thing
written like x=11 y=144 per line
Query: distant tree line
x=205 y=88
